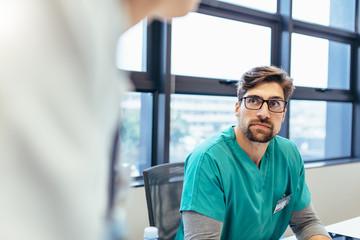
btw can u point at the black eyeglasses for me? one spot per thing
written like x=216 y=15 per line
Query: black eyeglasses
x=255 y=103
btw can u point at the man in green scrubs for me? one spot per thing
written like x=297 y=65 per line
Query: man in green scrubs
x=246 y=182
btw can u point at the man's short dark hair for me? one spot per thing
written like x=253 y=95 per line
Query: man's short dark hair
x=263 y=74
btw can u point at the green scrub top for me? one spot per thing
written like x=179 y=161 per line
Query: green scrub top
x=222 y=182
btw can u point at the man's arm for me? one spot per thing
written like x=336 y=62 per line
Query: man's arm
x=198 y=226
x=319 y=237
x=157 y=9
x=306 y=225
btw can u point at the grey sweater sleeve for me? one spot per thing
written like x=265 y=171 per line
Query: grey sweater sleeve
x=305 y=223
x=198 y=226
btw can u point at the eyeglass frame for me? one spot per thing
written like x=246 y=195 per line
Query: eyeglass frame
x=267 y=101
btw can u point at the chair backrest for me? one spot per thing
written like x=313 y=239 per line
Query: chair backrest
x=163 y=187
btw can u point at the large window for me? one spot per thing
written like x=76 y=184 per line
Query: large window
x=320 y=63
x=132 y=46
x=214 y=47
x=263 y=5
x=136 y=131
x=334 y=13
x=184 y=75
x=195 y=118
x=321 y=129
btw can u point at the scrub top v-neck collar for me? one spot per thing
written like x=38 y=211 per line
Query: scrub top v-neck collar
x=259 y=174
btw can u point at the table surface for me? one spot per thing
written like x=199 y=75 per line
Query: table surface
x=349 y=228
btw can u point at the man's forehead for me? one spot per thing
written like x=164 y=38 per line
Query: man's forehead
x=266 y=90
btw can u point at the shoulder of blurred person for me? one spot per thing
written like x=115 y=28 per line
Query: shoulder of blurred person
x=60 y=96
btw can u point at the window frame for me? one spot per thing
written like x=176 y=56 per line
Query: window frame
x=158 y=80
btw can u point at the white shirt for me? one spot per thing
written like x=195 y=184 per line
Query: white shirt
x=59 y=106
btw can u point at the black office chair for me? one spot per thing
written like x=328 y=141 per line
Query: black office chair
x=163 y=187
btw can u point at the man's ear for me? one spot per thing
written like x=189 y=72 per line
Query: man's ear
x=237 y=107
x=284 y=116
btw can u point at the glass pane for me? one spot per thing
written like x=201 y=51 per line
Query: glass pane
x=131 y=50
x=136 y=127
x=320 y=63
x=263 y=5
x=334 y=13
x=214 y=47
x=321 y=129
x=195 y=118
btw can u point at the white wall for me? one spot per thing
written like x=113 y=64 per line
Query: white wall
x=335 y=194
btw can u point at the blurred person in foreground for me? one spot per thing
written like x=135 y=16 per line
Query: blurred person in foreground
x=60 y=96
x=246 y=182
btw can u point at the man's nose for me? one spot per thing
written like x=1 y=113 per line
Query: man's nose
x=263 y=112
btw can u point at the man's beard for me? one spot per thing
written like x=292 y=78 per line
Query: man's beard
x=259 y=135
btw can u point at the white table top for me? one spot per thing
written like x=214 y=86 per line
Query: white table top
x=349 y=228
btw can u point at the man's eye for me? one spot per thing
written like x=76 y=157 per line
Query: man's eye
x=254 y=100
x=274 y=103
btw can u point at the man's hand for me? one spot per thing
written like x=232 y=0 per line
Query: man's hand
x=319 y=237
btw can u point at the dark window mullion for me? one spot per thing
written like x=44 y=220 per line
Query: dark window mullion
x=331 y=33
x=158 y=47
x=284 y=51
x=307 y=93
x=141 y=82
x=204 y=86
x=356 y=16
x=355 y=85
